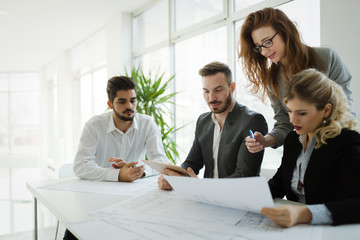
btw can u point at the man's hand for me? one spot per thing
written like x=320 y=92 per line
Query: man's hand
x=288 y=215
x=164 y=185
x=117 y=162
x=191 y=172
x=129 y=172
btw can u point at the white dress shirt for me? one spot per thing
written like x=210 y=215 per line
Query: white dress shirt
x=100 y=140
x=216 y=142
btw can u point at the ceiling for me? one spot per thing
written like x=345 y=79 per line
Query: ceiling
x=34 y=32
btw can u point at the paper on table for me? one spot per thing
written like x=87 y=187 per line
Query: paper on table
x=250 y=193
x=111 y=228
x=158 y=210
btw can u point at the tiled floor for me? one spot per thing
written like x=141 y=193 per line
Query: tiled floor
x=43 y=234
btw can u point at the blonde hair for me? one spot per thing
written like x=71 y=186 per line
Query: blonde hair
x=314 y=87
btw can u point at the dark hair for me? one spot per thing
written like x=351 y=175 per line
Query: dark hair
x=259 y=71
x=214 y=68
x=117 y=83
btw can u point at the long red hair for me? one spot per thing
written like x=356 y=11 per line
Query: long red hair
x=261 y=73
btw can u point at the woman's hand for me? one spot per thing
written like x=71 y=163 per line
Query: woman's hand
x=288 y=215
x=255 y=144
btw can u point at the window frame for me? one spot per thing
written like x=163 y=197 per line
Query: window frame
x=11 y=158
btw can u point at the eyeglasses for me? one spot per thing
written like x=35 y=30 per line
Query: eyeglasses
x=268 y=43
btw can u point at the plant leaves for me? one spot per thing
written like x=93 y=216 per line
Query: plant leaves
x=153 y=100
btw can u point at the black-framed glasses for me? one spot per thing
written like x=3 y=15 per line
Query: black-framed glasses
x=268 y=43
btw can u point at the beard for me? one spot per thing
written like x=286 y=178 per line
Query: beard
x=224 y=108
x=122 y=117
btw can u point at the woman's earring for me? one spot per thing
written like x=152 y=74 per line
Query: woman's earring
x=324 y=121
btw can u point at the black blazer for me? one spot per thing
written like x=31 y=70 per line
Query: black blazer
x=332 y=176
x=234 y=160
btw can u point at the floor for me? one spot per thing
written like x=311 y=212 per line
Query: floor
x=45 y=233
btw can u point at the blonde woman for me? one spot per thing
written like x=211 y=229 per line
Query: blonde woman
x=321 y=160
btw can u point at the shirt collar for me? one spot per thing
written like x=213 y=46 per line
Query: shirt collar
x=112 y=127
x=213 y=114
x=303 y=138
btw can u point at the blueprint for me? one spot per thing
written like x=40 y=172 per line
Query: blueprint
x=162 y=214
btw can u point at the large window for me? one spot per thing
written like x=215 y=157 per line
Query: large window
x=195 y=33
x=244 y=4
x=152 y=26
x=19 y=148
x=156 y=61
x=190 y=12
x=19 y=117
x=93 y=93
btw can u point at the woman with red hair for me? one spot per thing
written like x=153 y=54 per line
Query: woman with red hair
x=271 y=52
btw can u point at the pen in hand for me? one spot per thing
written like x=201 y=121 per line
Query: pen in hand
x=251 y=134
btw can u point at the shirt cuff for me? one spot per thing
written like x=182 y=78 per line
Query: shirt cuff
x=320 y=214
x=112 y=175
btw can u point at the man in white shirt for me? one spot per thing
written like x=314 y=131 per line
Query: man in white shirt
x=113 y=143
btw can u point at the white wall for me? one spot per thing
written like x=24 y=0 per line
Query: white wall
x=57 y=118
x=89 y=51
x=339 y=29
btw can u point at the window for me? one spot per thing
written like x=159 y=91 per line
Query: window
x=201 y=32
x=19 y=116
x=86 y=97
x=191 y=55
x=243 y=4
x=189 y=12
x=4 y=115
x=93 y=96
x=157 y=61
x=19 y=145
x=151 y=26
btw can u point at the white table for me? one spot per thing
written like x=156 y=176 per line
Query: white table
x=68 y=206
x=71 y=207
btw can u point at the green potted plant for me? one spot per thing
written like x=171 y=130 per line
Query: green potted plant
x=154 y=100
